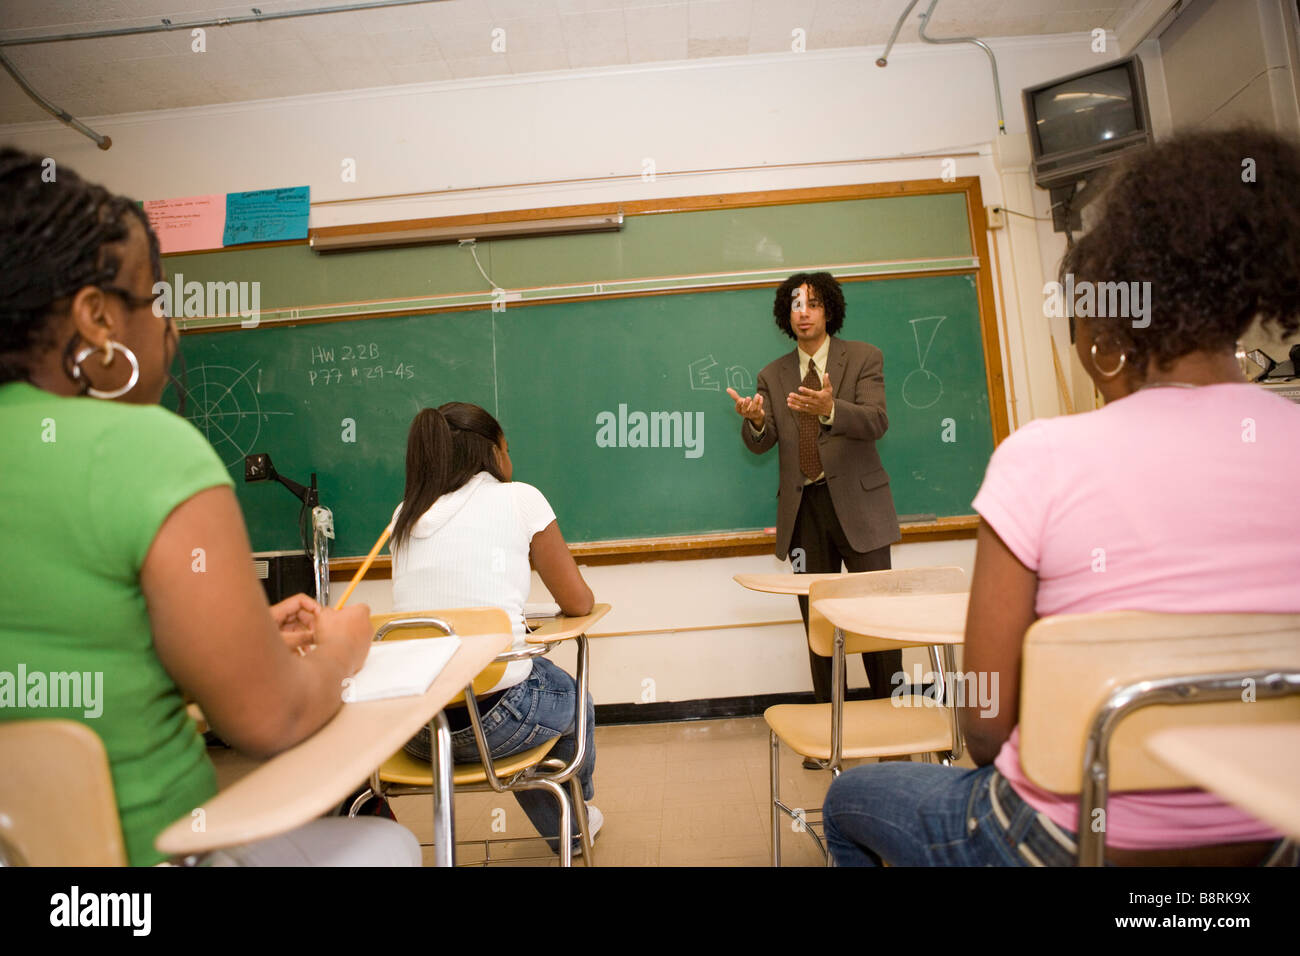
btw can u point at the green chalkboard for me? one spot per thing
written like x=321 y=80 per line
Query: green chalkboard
x=557 y=375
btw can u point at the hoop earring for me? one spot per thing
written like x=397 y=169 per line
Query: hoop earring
x=1123 y=358
x=108 y=360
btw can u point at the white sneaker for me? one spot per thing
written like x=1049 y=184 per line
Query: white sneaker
x=595 y=820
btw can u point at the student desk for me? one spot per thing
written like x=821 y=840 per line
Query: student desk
x=309 y=779
x=550 y=630
x=919 y=618
x=796 y=584
x=914 y=618
x=1247 y=765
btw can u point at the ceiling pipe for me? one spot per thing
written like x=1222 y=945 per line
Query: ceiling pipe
x=883 y=59
x=997 y=88
x=60 y=114
x=167 y=25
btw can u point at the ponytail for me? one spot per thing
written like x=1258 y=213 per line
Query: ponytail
x=445 y=447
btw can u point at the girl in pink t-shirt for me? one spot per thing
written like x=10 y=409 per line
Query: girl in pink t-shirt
x=1186 y=481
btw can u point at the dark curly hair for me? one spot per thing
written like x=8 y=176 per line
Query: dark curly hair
x=828 y=290
x=56 y=237
x=1218 y=248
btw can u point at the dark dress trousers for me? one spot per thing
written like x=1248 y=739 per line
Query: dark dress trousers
x=849 y=518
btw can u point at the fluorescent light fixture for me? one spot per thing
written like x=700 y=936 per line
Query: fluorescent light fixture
x=495 y=230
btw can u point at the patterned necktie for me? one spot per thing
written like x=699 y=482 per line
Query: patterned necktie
x=810 y=462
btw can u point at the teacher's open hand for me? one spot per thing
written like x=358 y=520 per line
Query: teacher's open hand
x=751 y=408
x=812 y=402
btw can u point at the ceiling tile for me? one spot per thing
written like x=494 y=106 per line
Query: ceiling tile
x=109 y=48
x=1081 y=21
x=402 y=48
x=653 y=51
x=773 y=23
x=464 y=40
x=1016 y=26
x=427 y=72
x=458 y=11
x=654 y=25
x=699 y=48
x=517 y=9
x=838 y=39
x=771 y=42
x=543 y=62
x=393 y=19
x=533 y=34
x=426 y=42
x=360 y=77
x=267 y=32
x=595 y=39
x=351 y=23
x=469 y=67
x=854 y=15
x=17 y=14
x=710 y=19
x=345 y=53
x=590 y=6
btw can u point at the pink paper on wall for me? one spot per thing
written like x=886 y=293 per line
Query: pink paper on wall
x=188 y=224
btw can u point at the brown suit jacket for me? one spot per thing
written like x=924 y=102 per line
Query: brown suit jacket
x=858 y=483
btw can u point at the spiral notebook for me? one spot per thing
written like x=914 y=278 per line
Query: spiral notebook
x=400 y=668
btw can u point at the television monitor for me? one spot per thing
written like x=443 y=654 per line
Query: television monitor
x=1085 y=121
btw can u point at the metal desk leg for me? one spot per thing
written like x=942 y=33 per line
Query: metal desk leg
x=444 y=829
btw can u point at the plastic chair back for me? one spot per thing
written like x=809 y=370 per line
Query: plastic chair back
x=821 y=633
x=465 y=621
x=57 y=806
x=1072 y=664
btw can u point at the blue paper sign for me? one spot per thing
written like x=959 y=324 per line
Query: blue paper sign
x=266 y=215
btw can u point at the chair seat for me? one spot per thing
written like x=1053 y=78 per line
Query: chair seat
x=872 y=728
x=402 y=768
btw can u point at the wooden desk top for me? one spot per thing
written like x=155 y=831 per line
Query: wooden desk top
x=919 y=618
x=305 y=781
x=555 y=629
x=782 y=583
x=1251 y=765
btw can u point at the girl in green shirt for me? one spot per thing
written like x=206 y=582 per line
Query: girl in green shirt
x=124 y=551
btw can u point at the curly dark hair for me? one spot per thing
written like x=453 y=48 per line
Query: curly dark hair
x=828 y=290
x=56 y=237
x=1219 y=247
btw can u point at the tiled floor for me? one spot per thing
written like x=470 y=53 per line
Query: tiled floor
x=680 y=794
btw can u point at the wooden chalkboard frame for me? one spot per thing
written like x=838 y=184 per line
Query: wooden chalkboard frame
x=728 y=544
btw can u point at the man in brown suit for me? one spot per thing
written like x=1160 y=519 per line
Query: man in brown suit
x=833 y=503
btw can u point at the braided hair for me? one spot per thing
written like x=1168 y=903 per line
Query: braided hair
x=56 y=237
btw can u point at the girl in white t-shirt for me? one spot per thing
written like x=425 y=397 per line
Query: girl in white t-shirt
x=463 y=537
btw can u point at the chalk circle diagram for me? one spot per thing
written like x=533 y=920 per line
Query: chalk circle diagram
x=222 y=402
x=922 y=388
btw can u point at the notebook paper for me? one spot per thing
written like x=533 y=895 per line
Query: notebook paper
x=400 y=668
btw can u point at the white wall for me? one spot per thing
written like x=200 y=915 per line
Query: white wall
x=1230 y=62
x=485 y=133
x=483 y=136
x=687 y=627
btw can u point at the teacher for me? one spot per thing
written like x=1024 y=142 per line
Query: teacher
x=833 y=503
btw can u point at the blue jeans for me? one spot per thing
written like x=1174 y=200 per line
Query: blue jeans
x=539 y=709
x=915 y=814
